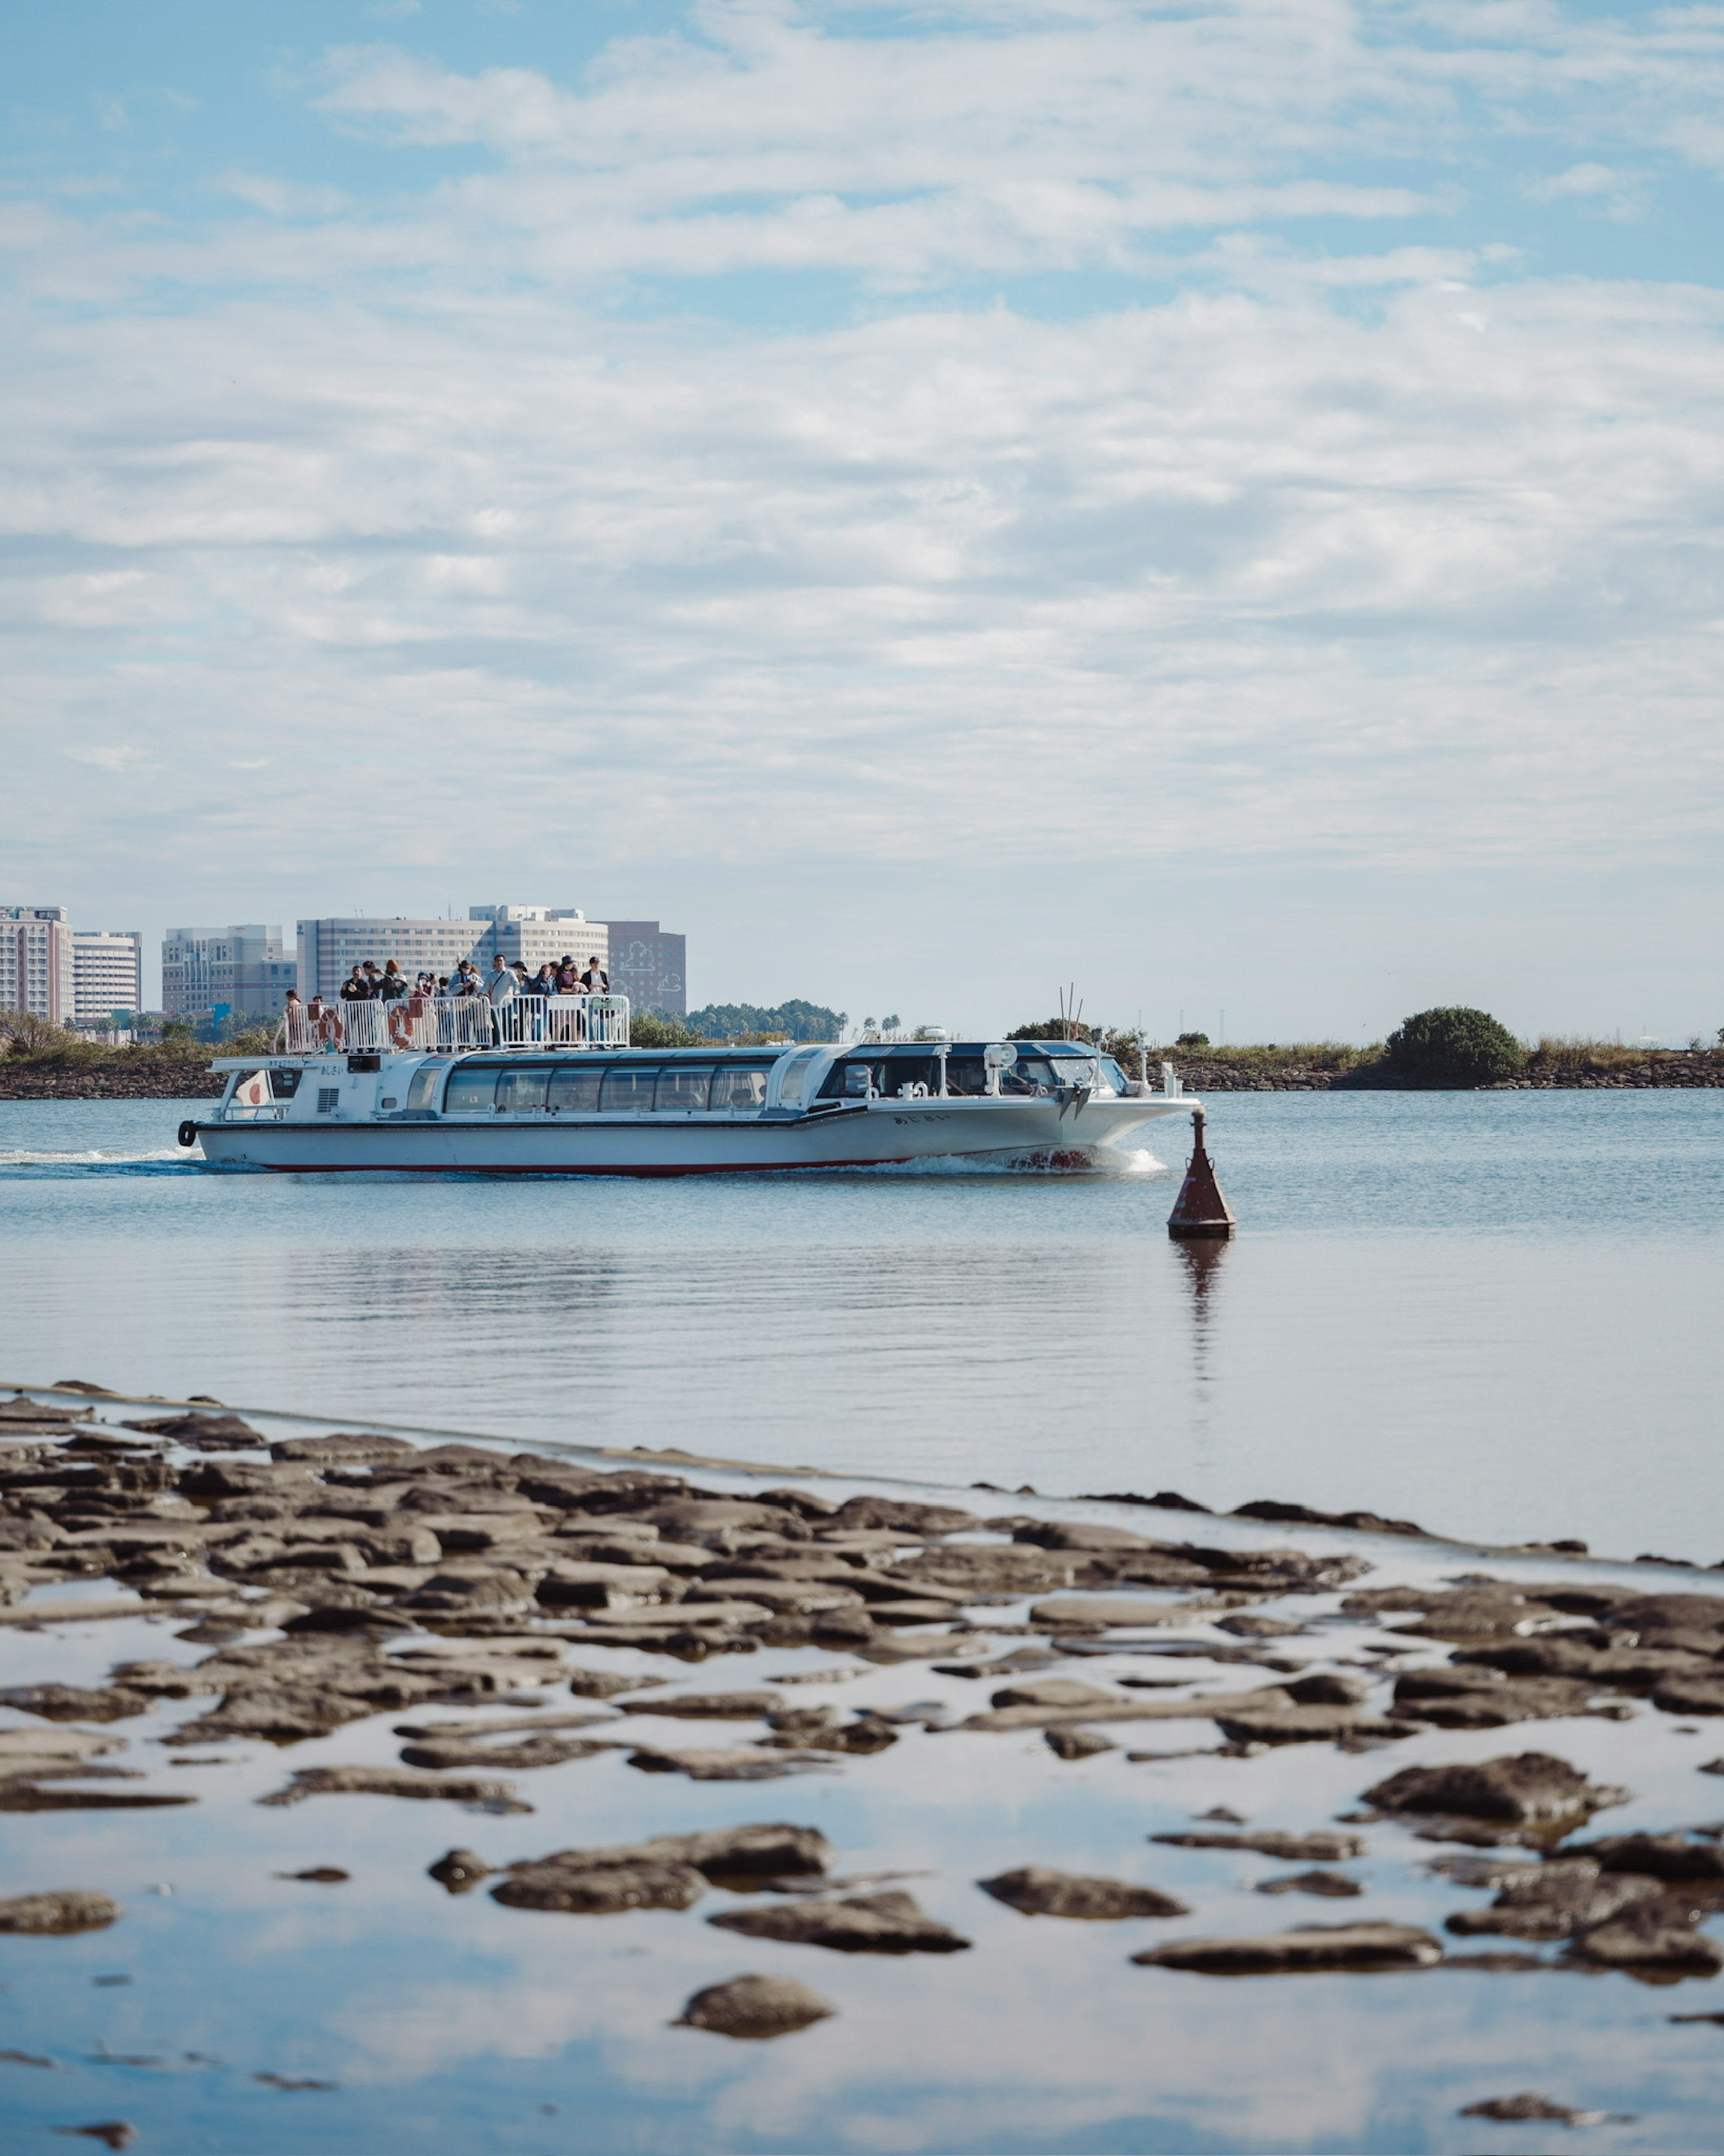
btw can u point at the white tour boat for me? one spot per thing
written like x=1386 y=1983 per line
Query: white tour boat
x=551 y=1086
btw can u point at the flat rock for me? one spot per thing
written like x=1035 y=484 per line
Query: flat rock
x=1329 y=1688
x=1691 y=1695
x=1200 y=1706
x=755 y=2008
x=912 y=1516
x=1530 y=1789
x=342 y=1448
x=1076 y=1744
x=1669 y=1856
x=770 y=1849
x=1316 y=1948
x=1527 y=2106
x=891 y=1923
x=720 y=1763
x=59 y=1913
x=1555 y=1901
x=538 y=1751
x=1055 y=1691
x=63 y=1702
x=1109 y=1613
x=709 y=1706
x=1081 y=1535
x=489 y=1794
x=1653 y=1935
x=1040 y=1891
x=1303 y=1725
x=1668 y=1613
x=605 y=1684
x=607 y=1891
x=1335 y=1886
x=459 y=1870
x=1320 y=1848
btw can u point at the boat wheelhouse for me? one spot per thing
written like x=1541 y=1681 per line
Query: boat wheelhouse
x=546 y=1092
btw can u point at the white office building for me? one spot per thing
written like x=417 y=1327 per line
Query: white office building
x=36 y=965
x=107 y=973
x=331 y=946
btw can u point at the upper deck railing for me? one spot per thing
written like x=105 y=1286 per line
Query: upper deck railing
x=453 y=1025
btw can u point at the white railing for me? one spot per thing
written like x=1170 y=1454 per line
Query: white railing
x=451 y=1025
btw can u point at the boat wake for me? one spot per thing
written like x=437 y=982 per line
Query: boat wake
x=1041 y=1160
x=95 y=1161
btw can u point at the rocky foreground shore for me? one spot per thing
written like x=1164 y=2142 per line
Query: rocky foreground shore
x=339 y=1580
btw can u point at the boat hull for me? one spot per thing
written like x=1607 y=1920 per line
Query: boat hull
x=1074 y=1134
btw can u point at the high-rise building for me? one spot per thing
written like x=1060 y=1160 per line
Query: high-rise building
x=36 y=973
x=243 y=968
x=331 y=947
x=544 y=934
x=107 y=973
x=649 y=966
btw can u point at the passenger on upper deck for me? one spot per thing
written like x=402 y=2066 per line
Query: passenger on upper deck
x=595 y=980
x=568 y=976
x=353 y=989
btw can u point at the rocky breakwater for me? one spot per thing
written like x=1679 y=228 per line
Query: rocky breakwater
x=474 y=1605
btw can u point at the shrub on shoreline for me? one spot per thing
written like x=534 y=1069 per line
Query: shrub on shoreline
x=1453 y=1045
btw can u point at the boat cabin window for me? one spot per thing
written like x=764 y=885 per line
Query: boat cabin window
x=629 y=1089
x=790 y=1087
x=574 y=1089
x=684 y=1087
x=1030 y=1073
x=1112 y=1074
x=471 y=1091
x=520 y=1090
x=284 y=1084
x=740 y=1088
x=422 y=1086
x=967 y=1077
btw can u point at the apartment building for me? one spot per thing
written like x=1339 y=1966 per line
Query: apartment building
x=36 y=962
x=107 y=973
x=242 y=969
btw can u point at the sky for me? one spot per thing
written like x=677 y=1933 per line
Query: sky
x=1218 y=502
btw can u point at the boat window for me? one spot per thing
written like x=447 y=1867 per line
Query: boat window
x=629 y=1088
x=575 y=1089
x=520 y=1090
x=900 y=1073
x=1030 y=1073
x=684 y=1085
x=422 y=1087
x=848 y=1080
x=739 y=1087
x=471 y=1092
x=794 y=1079
x=1112 y=1075
x=284 y=1084
x=966 y=1076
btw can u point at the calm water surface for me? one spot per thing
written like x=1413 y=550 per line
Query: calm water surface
x=1492 y=1313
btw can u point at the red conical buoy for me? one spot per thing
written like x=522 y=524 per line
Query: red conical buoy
x=1200 y=1209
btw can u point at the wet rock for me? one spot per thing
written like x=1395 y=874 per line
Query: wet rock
x=1109 y=1613
x=860 y=1739
x=487 y=1794
x=342 y=1448
x=1655 y=1936
x=755 y=2008
x=982 y=1569
x=545 y=1751
x=1335 y=1885
x=1363 y=1947
x=1055 y=1691
x=1668 y=1613
x=1303 y=1725
x=891 y=1923
x=1527 y=2106
x=1040 y=1891
x=59 y=1914
x=569 y=1585
x=607 y=1891
x=459 y=1870
x=1531 y=1789
x=759 y=1851
x=1246 y=1624
x=450 y=1592
x=720 y=1763
x=605 y=1684
x=319 y=1874
x=1555 y=1901
x=212 y=1433
x=914 y=1518
x=693 y=1516
x=1618 y=1667
x=1320 y=1848
x=63 y=1702
x=1200 y=1706
x=1691 y=1694
x=1268 y=1508
x=1329 y=1688
x=1078 y=1744
x=709 y=1706
x=1672 y=1857
x=111 y=2133
x=1081 y=1535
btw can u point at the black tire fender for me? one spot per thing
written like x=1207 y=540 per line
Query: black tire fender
x=188 y=1132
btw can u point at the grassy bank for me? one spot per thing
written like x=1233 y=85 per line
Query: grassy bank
x=40 y=1062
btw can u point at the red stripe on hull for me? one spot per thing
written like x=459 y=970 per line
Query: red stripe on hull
x=742 y=1168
